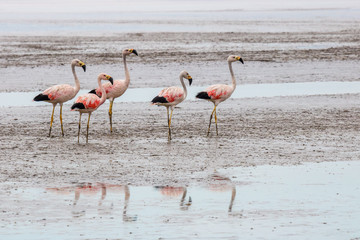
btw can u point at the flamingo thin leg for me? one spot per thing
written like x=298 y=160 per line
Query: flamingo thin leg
x=168 y=120
x=52 y=119
x=216 y=123
x=211 y=116
x=172 y=109
x=87 y=129
x=79 y=127
x=62 y=128
x=110 y=114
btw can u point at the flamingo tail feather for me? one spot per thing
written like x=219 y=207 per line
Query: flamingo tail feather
x=78 y=106
x=41 y=97
x=203 y=95
x=158 y=99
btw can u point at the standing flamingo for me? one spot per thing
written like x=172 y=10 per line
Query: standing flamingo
x=172 y=96
x=61 y=93
x=90 y=102
x=220 y=92
x=119 y=87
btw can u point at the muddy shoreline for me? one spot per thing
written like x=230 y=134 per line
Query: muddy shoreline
x=281 y=131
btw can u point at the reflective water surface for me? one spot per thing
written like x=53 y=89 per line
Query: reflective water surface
x=310 y=201
x=242 y=91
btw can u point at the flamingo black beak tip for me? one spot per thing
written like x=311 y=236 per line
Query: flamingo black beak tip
x=190 y=81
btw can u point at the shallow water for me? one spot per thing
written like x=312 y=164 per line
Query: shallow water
x=314 y=200
x=115 y=17
x=242 y=91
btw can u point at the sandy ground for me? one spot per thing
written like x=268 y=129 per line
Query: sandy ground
x=283 y=130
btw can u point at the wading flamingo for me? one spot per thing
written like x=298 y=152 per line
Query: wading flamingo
x=220 y=92
x=172 y=96
x=61 y=93
x=119 y=87
x=90 y=102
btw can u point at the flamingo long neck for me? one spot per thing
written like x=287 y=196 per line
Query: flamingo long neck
x=184 y=86
x=103 y=92
x=77 y=83
x=232 y=76
x=127 y=75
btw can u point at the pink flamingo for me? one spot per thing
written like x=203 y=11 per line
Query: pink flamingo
x=90 y=102
x=119 y=87
x=61 y=93
x=172 y=96
x=220 y=92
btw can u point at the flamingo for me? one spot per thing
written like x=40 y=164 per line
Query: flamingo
x=90 y=102
x=220 y=92
x=172 y=96
x=119 y=87
x=61 y=93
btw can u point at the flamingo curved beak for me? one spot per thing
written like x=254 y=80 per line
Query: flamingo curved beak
x=84 y=67
x=190 y=81
x=240 y=59
x=111 y=80
x=135 y=52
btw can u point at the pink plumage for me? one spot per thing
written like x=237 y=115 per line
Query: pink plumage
x=61 y=93
x=88 y=103
x=171 y=96
x=119 y=87
x=113 y=91
x=220 y=92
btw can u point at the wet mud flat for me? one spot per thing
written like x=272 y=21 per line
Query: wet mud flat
x=32 y=63
x=280 y=130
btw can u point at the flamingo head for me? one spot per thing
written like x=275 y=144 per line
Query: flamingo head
x=186 y=75
x=104 y=76
x=78 y=63
x=129 y=51
x=233 y=58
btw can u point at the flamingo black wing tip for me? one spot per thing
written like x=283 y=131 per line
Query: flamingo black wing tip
x=203 y=95
x=159 y=99
x=41 y=97
x=77 y=106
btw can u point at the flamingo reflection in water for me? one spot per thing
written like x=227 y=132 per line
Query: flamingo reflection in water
x=222 y=184
x=176 y=192
x=90 y=189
